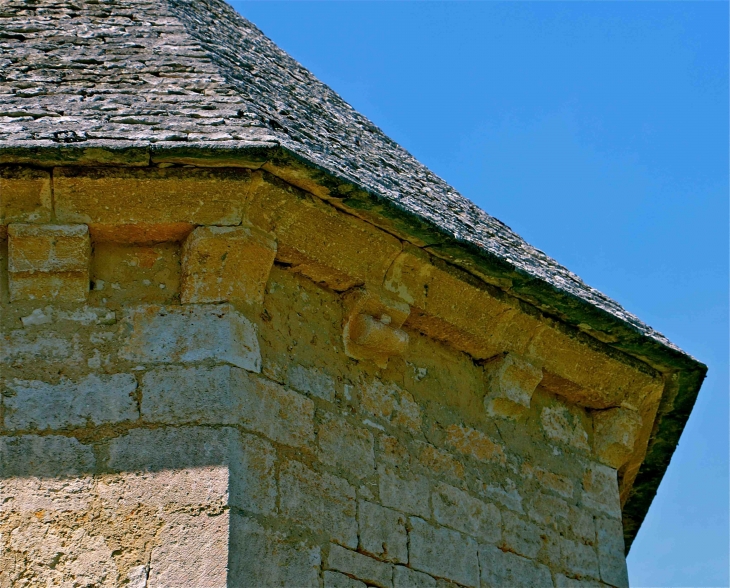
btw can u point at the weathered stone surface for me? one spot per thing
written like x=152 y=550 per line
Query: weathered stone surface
x=456 y=509
x=500 y=569
x=312 y=381
x=254 y=484
x=193 y=552
x=189 y=334
x=579 y=560
x=31 y=494
x=407 y=578
x=345 y=446
x=319 y=501
x=406 y=495
x=600 y=490
x=382 y=532
x=96 y=399
x=391 y=403
x=48 y=262
x=202 y=394
x=118 y=196
x=360 y=566
x=337 y=580
x=261 y=557
x=50 y=456
x=440 y=462
x=272 y=410
x=511 y=382
x=563 y=581
x=614 y=435
x=550 y=480
x=562 y=426
x=520 y=536
x=25 y=196
x=611 y=559
x=474 y=443
x=221 y=264
x=444 y=553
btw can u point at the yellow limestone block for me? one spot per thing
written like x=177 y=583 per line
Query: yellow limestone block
x=226 y=264
x=48 y=262
x=152 y=204
x=372 y=329
x=25 y=196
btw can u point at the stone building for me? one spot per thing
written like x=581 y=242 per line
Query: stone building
x=247 y=340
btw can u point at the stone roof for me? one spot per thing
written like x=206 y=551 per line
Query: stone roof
x=166 y=76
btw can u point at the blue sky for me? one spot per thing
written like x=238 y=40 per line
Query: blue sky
x=599 y=132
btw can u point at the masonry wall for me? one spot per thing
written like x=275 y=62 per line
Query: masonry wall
x=151 y=438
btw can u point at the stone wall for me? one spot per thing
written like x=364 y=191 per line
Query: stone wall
x=216 y=408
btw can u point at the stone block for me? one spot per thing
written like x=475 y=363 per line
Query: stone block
x=474 y=443
x=319 y=241
x=611 y=558
x=382 y=532
x=391 y=403
x=31 y=494
x=166 y=489
x=25 y=196
x=372 y=330
x=282 y=415
x=615 y=431
x=50 y=456
x=157 y=197
x=579 y=560
x=563 y=581
x=406 y=495
x=443 y=553
x=600 y=490
x=192 y=550
x=511 y=381
x=562 y=426
x=195 y=394
x=547 y=510
x=362 y=567
x=262 y=557
x=345 y=446
x=96 y=400
x=520 y=536
x=320 y=501
x=310 y=380
x=439 y=462
x=550 y=480
x=337 y=580
x=253 y=487
x=407 y=578
x=188 y=334
x=221 y=264
x=48 y=262
x=456 y=509
x=500 y=569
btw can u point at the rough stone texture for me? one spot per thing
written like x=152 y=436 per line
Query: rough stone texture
x=382 y=532
x=456 y=509
x=444 y=553
x=268 y=408
x=191 y=334
x=350 y=448
x=221 y=264
x=194 y=553
x=96 y=399
x=610 y=547
x=320 y=501
x=260 y=557
x=409 y=495
x=337 y=580
x=511 y=381
x=500 y=569
x=48 y=262
x=407 y=578
x=25 y=196
x=360 y=566
x=615 y=432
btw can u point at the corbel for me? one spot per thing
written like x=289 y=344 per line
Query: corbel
x=372 y=327
x=511 y=381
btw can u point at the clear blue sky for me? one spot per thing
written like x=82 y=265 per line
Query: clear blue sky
x=599 y=132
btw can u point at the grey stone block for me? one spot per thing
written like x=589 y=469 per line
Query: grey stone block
x=456 y=509
x=500 y=569
x=383 y=532
x=51 y=456
x=360 y=566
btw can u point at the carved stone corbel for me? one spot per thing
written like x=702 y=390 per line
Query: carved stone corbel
x=372 y=327
x=614 y=434
x=511 y=381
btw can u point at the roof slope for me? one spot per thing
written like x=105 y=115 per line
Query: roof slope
x=161 y=74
